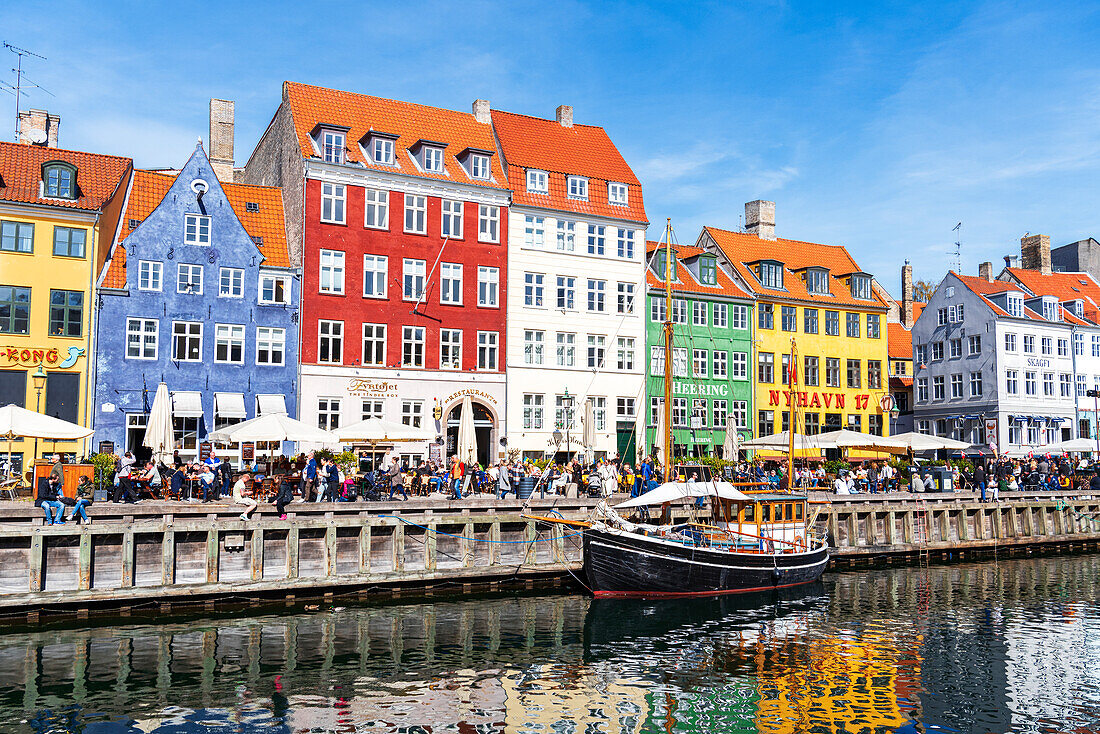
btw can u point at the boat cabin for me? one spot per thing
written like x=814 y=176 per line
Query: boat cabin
x=769 y=516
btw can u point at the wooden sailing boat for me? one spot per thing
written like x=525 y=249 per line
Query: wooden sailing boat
x=757 y=540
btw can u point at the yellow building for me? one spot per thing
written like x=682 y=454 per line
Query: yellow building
x=59 y=209
x=818 y=296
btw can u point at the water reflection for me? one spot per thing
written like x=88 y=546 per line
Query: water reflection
x=977 y=648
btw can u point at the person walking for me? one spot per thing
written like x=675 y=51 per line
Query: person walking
x=309 y=478
x=980 y=478
x=458 y=469
x=396 y=474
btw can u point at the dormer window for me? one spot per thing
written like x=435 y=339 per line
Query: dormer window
x=770 y=275
x=59 y=180
x=616 y=194
x=433 y=159
x=1015 y=305
x=1050 y=310
x=817 y=281
x=662 y=256
x=479 y=166
x=578 y=188
x=332 y=146
x=537 y=182
x=1077 y=308
x=708 y=270
x=861 y=287
x=381 y=151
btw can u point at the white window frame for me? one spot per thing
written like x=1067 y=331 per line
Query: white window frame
x=488 y=346
x=191 y=269
x=533 y=405
x=597 y=239
x=534 y=341
x=333 y=203
x=285 y=280
x=566 y=293
x=566 y=240
x=332 y=143
x=236 y=282
x=270 y=337
x=534 y=231
x=739 y=366
x=488 y=223
x=618 y=194
x=376 y=206
x=432 y=159
x=534 y=290
x=376 y=337
x=624 y=246
x=624 y=300
x=479 y=166
x=577 y=187
x=331 y=265
x=189 y=335
x=148 y=272
x=412 y=413
x=413 y=343
x=565 y=351
x=376 y=270
x=450 y=349
x=488 y=286
x=328 y=413
x=596 y=295
x=720 y=364
x=740 y=317
x=450 y=282
x=333 y=331
x=196 y=229
x=229 y=335
x=145 y=338
x=413 y=271
x=416 y=214
x=538 y=182
x=624 y=353
x=383 y=151
x=451 y=219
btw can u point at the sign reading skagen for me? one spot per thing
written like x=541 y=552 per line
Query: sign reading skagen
x=1037 y=362
x=694 y=388
x=379 y=388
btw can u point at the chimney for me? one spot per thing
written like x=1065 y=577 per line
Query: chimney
x=760 y=219
x=481 y=111
x=564 y=115
x=221 y=139
x=38 y=127
x=985 y=271
x=1035 y=253
x=907 y=295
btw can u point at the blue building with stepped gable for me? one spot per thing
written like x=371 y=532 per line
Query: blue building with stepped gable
x=197 y=291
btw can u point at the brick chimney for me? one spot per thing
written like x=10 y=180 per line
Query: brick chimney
x=564 y=115
x=221 y=139
x=38 y=127
x=481 y=111
x=907 y=295
x=1035 y=253
x=985 y=271
x=760 y=219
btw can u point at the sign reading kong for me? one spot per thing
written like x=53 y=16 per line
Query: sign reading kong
x=817 y=399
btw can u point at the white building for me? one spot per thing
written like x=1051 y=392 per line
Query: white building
x=576 y=292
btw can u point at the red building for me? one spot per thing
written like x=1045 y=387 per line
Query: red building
x=397 y=214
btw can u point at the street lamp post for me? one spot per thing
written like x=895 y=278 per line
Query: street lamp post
x=567 y=415
x=38 y=377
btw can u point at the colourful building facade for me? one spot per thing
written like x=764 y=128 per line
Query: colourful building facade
x=712 y=348
x=57 y=208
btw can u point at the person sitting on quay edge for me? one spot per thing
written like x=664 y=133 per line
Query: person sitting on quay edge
x=85 y=493
x=49 y=499
x=242 y=495
x=284 y=497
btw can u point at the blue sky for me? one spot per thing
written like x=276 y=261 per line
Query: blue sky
x=876 y=126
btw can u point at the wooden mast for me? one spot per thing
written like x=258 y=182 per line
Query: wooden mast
x=792 y=402
x=667 y=438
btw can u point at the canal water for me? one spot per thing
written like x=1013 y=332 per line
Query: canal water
x=992 y=647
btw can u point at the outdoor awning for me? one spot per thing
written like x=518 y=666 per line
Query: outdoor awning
x=186 y=405
x=266 y=404
x=229 y=405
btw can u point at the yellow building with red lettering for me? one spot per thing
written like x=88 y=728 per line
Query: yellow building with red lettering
x=58 y=211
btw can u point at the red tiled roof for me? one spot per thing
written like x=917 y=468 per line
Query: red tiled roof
x=580 y=150
x=149 y=190
x=742 y=248
x=983 y=288
x=899 y=342
x=97 y=176
x=896 y=381
x=311 y=106
x=918 y=309
x=685 y=281
x=1063 y=286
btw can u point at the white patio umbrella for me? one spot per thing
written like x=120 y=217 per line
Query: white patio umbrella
x=158 y=431
x=272 y=427
x=918 y=442
x=1073 y=445
x=730 y=444
x=467 y=438
x=588 y=436
x=377 y=430
x=16 y=422
x=781 y=442
x=845 y=439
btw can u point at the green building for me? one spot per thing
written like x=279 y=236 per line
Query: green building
x=712 y=351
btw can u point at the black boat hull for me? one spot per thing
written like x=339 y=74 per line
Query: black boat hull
x=627 y=564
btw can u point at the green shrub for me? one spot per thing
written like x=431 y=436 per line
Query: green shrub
x=104 y=464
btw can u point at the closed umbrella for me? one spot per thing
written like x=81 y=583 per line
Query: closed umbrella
x=158 y=431
x=467 y=438
x=660 y=437
x=731 y=443
x=589 y=434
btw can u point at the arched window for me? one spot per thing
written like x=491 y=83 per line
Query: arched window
x=59 y=179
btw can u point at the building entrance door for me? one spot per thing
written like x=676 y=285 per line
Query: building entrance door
x=625 y=443
x=484 y=431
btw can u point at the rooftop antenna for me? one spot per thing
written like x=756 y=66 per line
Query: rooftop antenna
x=958 y=247
x=20 y=53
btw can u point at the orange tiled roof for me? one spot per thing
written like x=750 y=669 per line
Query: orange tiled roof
x=742 y=248
x=899 y=342
x=983 y=288
x=148 y=191
x=726 y=286
x=580 y=150
x=97 y=176
x=361 y=113
x=903 y=382
x=1064 y=287
x=918 y=309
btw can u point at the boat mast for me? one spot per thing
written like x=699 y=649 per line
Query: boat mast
x=667 y=438
x=792 y=397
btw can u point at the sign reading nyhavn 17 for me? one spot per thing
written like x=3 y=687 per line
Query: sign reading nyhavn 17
x=817 y=400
